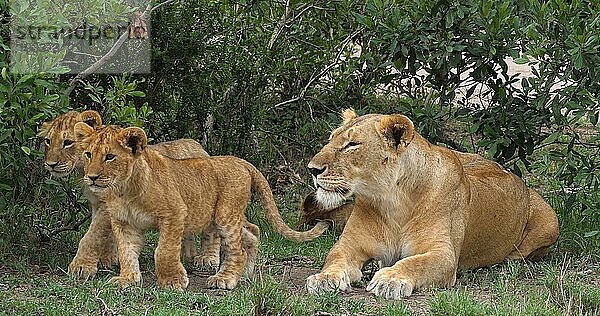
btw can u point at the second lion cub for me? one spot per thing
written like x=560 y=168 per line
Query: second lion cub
x=143 y=189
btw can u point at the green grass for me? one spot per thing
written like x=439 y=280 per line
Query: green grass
x=566 y=282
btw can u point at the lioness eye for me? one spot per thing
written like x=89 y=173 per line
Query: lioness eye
x=351 y=144
x=88 y=154
x=47 y=141
x=67 y=143
x=109 y=157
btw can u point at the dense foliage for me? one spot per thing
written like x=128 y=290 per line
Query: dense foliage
x=265 y=80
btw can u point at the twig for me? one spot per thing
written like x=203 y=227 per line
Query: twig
x=314 y=78
x=113 y=50
x=280 y=25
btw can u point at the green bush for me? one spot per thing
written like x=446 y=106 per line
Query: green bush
x=266 y=81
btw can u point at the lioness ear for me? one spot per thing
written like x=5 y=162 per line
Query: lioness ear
x=91 y=118
x=133 y=138
x=397 y=130
x=348 y=115
x=82 y=131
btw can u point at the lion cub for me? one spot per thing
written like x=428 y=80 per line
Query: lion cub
x=143 y=189
x=64 y=156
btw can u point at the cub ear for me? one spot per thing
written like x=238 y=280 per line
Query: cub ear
x=348 y=115
x=397 y=130
x=82 y=131
x=44 y=129
x=91 y=118
x=133 y=138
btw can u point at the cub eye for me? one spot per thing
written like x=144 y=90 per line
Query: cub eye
x=67 y=143
x=351 y=144
x=88 y=155
x=47 y=141
x=109 y=157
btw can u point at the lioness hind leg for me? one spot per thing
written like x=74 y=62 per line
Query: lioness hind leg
x=540 y=232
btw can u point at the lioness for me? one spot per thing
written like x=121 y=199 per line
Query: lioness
x=63 y=155
x=421 y=210
x=143 y=189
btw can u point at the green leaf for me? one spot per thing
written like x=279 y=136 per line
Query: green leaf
x=591 y=234
x=137 y=94
x=26 y=150
x=521 y=60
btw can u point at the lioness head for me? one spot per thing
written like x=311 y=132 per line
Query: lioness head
x=357 y=155
x=110 y=154
x=63 y=151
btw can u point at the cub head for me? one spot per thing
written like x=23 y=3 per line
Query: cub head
x=63 y=151
x=110 y=155
x=358 y=156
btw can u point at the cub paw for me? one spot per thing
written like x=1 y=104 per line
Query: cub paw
x=209 y=262
x=388 y=284
x=109 y=260
x=127 y=280
x=82 y=269
x=179 y=282
x=221 y=281
x=327 y=281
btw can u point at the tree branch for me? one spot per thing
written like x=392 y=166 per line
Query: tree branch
x=113 y=50
x=314 y=78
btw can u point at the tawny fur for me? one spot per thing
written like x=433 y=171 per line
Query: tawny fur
x=421 y=210
x=143 y=190
x=63 y=155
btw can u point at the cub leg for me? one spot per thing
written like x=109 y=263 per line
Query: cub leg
x=234 y=256
x=540 y=232
x=209 y=252
x=250 y=241
x=211 y=244
x=97 y=245
x=169 y=270
x=347 y=256
x=129 y=244
x=188 y=247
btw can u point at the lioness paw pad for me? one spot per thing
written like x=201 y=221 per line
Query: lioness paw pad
x=387 y=284
x=327 y=282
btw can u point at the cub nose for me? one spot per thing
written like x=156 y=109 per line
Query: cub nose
x=316 y=171
x=51 y=165
x=94 y=178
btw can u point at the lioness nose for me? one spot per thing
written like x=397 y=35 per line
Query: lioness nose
x=316 y=171
x=94 y=178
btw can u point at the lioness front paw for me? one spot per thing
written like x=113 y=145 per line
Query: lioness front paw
x=327 y=281
x=221 y=281
x=83 y=269
x=127 y=280
x=209 y=262
x=388 y=284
